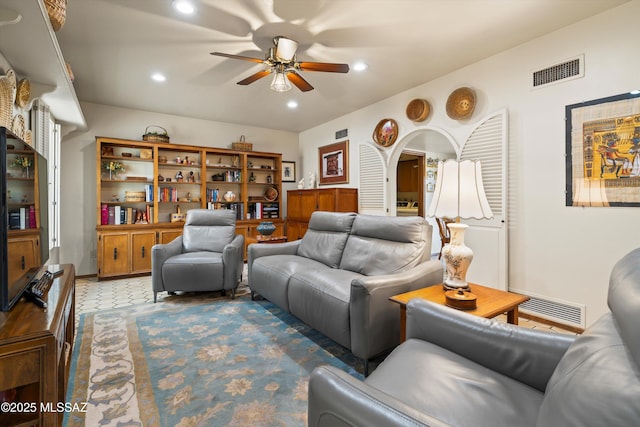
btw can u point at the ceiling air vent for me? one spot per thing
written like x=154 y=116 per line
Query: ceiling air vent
x=568 y=70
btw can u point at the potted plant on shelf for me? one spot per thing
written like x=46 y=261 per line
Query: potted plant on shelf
x=24 y=163
x=114 y=168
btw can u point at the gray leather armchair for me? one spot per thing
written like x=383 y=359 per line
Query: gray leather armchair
x=209 y=256
x=456 y=369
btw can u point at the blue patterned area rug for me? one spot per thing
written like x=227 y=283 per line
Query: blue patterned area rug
x=220 y=363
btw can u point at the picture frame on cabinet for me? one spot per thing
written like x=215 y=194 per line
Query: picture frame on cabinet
x=288 y=171
x=334 y=163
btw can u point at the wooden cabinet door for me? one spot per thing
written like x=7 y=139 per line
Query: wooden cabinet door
x=141 y=244
x=166 y=236
x=113 y=253
x=296 y=230
x=326 y=200
x=23 y=254
x=301 y=204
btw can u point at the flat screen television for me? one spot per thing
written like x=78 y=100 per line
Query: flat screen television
x=24 y=229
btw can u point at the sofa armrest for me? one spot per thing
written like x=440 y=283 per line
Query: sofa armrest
x=526 y=355
x=233 y=260
x=338 y=399
x=159 y=254
x=375 y=321
x=255 y=251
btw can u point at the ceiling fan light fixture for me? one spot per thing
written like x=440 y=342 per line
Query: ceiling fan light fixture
x=285 y=48
x=280 y=82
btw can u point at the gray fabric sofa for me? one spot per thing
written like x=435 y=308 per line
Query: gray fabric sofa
x=339 y=276
x=208 y=256
x=460 y=370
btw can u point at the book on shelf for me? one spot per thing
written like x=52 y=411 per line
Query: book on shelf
x=104 y=214
x=116 y=215
x=112 y=215
x=32 y=216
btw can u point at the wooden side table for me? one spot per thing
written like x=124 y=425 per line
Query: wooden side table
x=266 y=239
x=490 y=303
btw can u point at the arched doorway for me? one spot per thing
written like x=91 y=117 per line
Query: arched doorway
x=416 y=159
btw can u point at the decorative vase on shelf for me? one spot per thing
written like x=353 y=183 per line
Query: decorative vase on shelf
x=266 y=228
x=229 y=196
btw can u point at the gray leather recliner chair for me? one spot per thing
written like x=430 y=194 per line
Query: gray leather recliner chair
x=209 y=256
x=456 y=369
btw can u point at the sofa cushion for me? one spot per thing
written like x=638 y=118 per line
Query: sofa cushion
x=208 y=230
x=596 y=383
x=386 y=245
x=191 y=270
x=624 y=300
x=320 y=297
x=326 y=236
x=431 y=379
x=270 y=276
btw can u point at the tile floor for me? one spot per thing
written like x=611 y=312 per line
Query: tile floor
x=93 y=295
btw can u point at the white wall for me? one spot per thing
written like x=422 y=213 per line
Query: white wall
x=555 y=251
x=78 y=164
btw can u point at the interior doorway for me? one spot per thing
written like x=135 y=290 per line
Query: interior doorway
x=410 y=184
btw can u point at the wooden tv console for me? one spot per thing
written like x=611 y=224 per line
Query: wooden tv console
x=35 y=355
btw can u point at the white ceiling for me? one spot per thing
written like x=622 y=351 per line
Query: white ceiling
x=113 y=46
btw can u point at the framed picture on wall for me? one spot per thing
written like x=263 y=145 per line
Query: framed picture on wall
x=603 y=152
x=288 y=171
x=334 y=163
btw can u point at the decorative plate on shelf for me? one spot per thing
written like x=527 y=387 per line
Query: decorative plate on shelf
x=461 y=103
x=271 y=194
x=386 y=132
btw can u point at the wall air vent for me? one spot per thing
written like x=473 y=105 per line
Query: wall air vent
x=343 y=133
x=567 y=70
x=563 y=312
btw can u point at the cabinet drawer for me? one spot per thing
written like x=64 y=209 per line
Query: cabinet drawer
x=19 y=369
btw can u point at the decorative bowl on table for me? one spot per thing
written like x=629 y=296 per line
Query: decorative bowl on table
x=266 y=228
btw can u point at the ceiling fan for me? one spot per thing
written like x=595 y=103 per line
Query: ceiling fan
x=281 y=60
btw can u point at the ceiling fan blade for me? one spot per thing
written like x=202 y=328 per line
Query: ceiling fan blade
x=299 y=82
x=244 y=58
x=252 y=78
x=323 y=66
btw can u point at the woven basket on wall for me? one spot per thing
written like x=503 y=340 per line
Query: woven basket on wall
x=57 y=10
x=7 y=97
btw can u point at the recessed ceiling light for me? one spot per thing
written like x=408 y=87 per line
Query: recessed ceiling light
x=292 y=104
x=158 y=77
x=184 y=6
x=360 y=66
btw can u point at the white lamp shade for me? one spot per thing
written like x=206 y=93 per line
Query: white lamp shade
x=459 y=191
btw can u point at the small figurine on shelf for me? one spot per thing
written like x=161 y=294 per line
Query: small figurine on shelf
x=252 y=178
x=191 y=177
x=178 y=160
x=179 y=176
x=186 y=160
x=235 y=161
x=269 y=179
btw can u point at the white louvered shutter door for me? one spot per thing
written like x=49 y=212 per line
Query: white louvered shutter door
x=372 y=189
x=488 y=238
